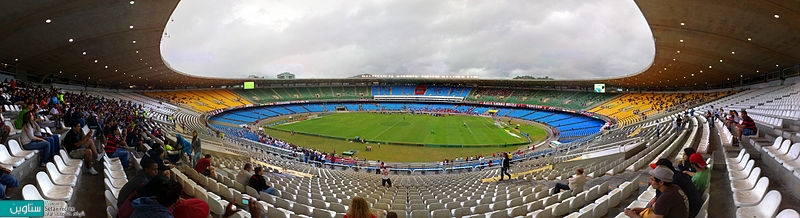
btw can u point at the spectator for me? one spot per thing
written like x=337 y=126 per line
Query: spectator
x=30 y=141
x=195 y=149
x=80 y=146
x=115 y=147
x=683 y=163
x=747 y=127
x=185 y=147
x=159 y=195
x=359 y=208
x=149 y=171
x=7 y=183
x=244 y=175
x=385 y=178
x=671 y=203
x=391 y=214
x=5 y=130
x=254 y=209
x=576 y=183
x=258 y=182
x=204 y=167
x=504 y=167
x=701 y=176
x=685 y=182
x=191 y=208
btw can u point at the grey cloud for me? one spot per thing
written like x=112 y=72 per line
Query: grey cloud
x=490 y=39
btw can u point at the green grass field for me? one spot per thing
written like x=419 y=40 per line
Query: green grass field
x=350 y=123
x=407 y=128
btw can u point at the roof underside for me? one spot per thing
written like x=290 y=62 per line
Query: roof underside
x=699 y=45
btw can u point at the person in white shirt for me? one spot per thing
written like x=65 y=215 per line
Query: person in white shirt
x=576 y=183
x=244 y=175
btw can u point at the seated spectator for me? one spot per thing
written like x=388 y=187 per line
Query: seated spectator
x=685 y=182
x=204 y=167
x=7 y=183
x=244 y=175
x=359 y=208
x=30 y=141
x=158 y=196
x=149 y=171
x=191 y=208
x=156 y=153
x=576 y=183
x=80 y=146
x=258 y=182
x=683 y=163
x=671 y=203
x=5 y=130
x=747 y=127
x=115 y=147
x=701 y=177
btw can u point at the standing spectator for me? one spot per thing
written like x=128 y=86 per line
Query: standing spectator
x=30 y=141
x=258 y=182
x=701 y=176
x=671 y=203
x=7 y=183
x=504 y=167
x=359 y=208
x=195 y=150
x=185 y=147
x=576 y=183
x=80 y=146
x=385 y=178
x=204 y=167
x=244 y=175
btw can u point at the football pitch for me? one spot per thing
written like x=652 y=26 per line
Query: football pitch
x=411 y=129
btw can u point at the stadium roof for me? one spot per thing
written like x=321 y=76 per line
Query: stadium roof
x=699 y=45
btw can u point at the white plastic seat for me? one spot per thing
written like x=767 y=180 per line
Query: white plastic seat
x=748 y=183
x=7 y=159
x=753 y=196
x=30 y=192
x=782 y=148
x=793 y=153
x=739 y=165
x=60 y=178
x=17 y=150
x=742 y=174
x=114 y=190
x=113 y=167
x=787 y=213
x=111 y=212
x=737 y=159
x=52 y=191
x=70 y=161
x=111 y=200
x=765 y=208
x=785 y=146
x=217 y=206
x=63 y=168
x=116 y=174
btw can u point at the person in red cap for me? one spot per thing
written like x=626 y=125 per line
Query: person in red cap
x=702 y=176
x=192 y=207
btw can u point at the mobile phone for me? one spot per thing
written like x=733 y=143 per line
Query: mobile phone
x=245 y=201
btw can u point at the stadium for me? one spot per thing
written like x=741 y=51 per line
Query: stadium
x=96 y=69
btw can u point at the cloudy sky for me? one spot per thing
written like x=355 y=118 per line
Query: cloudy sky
x=564 y=39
